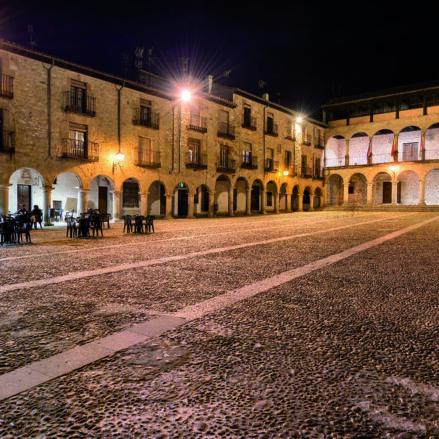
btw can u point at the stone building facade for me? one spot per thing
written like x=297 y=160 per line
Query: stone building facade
x=383 y=148
x=65 y=128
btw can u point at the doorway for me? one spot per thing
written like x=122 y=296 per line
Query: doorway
x=24 y=192
x=103 y=199
x=387 y=192
x=183 y=198
x=255 y=198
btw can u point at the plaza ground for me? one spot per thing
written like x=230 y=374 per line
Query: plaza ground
x=311 y=325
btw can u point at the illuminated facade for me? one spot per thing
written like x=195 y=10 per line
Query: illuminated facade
x=382 y=149
x=73 y=138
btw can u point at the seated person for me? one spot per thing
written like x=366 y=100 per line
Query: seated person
x=22 y=210
x=37 y=216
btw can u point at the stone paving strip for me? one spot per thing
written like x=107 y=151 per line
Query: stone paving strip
x=44 y=370
x=164 y=260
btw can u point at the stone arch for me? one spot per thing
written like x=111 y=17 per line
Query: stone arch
x=271 y=195
x=240 y=195
x=101 y=194
x=358 y=147
x=26 y=187
x=295 y=198
x=306 y=201
x=66 y=194
x=381 y=147
x=317 y=202
x=157 y=198
x=382 y=188
x=357 y=192
x=130 y=197
x=335 y=151
x=408 y=188
x=201 y=201
x=431 y=143
x=431 y=185
x=222 y=194
x=334 y=191
x=283 y=205
x=409 y=144
x=180 y=205
x=256 y=198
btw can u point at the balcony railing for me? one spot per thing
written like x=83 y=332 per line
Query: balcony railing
x=6 y=86
x=226 y=130
x=197 y=123
x=7 y=142
x=306 y=172
x=77 y=149
x=271 y=129
x=249 y=123
x=144 y=119
x=249 y=162
x=271 y=165
x=226 y=165
x=148 y=159
x=196 y=160
x=307 y=139
x=75 y=103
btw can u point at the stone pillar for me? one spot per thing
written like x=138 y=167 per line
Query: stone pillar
x=211 y=204
x=47 y=203
x=144 y=204
x=276 y=202
x=249 y=202
x=168 y=214
x=230 y=201
x=421 y=192
x=288 y=201
x=116 y=205
x=300 y=197
x=83 y=200
x=263 y=196
x=311 y=202
x=190 y=201
x=369 y=194
x=394 y=191
x=4 y=198
x=346 y=194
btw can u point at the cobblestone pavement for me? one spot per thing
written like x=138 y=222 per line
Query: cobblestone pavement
x=349 y=350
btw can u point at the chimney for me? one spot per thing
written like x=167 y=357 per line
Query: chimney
x=210 y=83
x=265 y=97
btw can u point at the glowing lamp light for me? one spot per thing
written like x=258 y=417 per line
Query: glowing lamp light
x=185 y=95
x=299 y=119
x=119 y=157
x=285 y=173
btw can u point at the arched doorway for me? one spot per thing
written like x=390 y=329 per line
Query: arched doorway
x=130 y=197
x=255 y=199
x=306 y=198
x=317 y=203
x=357 y=191
x=27 y=187
x=222 y=186
x=65 y=195
x=201 y=201
x=295 y=199
x=181 y=200
x=334 y=191
x=101 y=194
x=157 y=199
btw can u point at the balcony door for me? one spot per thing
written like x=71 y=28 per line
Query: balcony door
x=224 y=157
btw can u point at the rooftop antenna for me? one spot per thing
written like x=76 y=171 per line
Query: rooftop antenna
x=139 y=60
x=125 y=58
x=150 y=62
x=30 y=31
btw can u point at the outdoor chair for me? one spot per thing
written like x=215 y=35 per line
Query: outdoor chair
x=23 y=226
x=139 y=224
x=95 y=225
x=127 y=223
x=72 y=231
x=149 y=224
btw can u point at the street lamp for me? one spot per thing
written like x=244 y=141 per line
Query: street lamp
x=118 y=159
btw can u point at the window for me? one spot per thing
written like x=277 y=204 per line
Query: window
x=410 y=152
x=77 y=140
x=351 y=189
x=130 y=194
x=78 y=96
x=270 y=122
x=290 y=129
x=247 y=153
x=145 y=153
x=194 y=151
x=224 y=156
x=287 y=159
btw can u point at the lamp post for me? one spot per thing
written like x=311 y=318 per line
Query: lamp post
x=185 y=96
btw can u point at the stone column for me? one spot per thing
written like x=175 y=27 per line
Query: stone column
x=369 y=194
x=168 y=214
x=421 y=192
x=211 y=204
x=190 y=201
x=144 y=203
x=263 y=197
x=346 y=194
x=249 y=202
x=288 y=201
x=116 y=205
x=311 y=202
x=300 y=198
x=83 y=200
x=47 y=203
x=4 y=198
x=346 y=157
x=230 y=201
x=394 y=191
x=276 y=202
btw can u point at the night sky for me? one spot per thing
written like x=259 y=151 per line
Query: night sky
x=304 y=52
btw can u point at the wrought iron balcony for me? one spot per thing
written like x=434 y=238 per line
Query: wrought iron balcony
x=77 y=103
x=77 y=149
x=249 y=123
x=271 y=129
x=7 y=142
x=271 y=165
x=226 y=165
x=226 y=130
x=6 y=86
x=195 y=160
x=197 y=123
x=148 y=159
x=290 y=137
x=306 y=172
x=249 y=162
x=146 y=119
x=307 y=139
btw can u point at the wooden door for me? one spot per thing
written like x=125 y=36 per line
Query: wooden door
x=183 y=202
x=387 y=192
x=255 y=198
x=24 y=192
x=103 y=199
